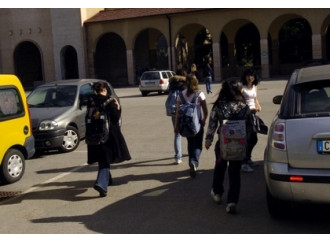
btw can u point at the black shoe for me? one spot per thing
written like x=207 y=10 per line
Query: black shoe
x=100 y=190
x=110 y=181
x=192 y=170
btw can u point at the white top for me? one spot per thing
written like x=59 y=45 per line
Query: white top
x=250 y=95
x=200 y=98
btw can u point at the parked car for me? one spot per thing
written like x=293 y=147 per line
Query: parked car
x=297 y=154
x=155 y=81
x=58 y=112
x=17 y=141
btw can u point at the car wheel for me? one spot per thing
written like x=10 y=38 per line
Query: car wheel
x=144 y=93
x=12 y=167
x=71 y=140
x=277 y=208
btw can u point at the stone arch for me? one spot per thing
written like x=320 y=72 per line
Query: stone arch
x=193 y=44
x=325 y=32
x=232 y=47
x=69 y=62
x=110 y=59
x=280 y=44
x=150 y=51
x=28 y=64
x=297 y=47
x=247 y=46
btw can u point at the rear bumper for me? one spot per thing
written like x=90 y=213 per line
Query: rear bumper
x=298 y=185
x=162 y=88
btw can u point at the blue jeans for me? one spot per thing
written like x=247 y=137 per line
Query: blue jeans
x=177 y=142
x=195 y=146
x=103 y=176
x=208 y=81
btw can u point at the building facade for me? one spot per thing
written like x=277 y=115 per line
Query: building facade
x=41 y=45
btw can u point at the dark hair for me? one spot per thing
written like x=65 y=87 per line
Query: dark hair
x=231 y=91
x=250 y=72
x=98 y=87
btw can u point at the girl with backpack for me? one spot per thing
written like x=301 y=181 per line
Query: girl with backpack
x=195 y=143
x=229 y=102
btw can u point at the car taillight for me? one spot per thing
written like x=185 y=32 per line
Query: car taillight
x=161 y=81
x=279 y=136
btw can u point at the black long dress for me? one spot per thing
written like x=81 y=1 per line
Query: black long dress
x=115 y=150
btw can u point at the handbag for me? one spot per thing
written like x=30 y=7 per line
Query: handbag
x=260 y=126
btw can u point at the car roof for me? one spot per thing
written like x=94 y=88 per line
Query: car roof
x=315 y=73
x=72 y=82
x=157 y=71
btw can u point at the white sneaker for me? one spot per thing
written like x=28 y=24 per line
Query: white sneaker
x=216 y=197
x=178 y=161
x=246 y=168
x=231 y=208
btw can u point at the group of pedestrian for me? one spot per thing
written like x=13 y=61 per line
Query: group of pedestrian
x=237 y=97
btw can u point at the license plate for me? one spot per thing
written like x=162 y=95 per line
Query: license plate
x=149 y=83
x=323 y=146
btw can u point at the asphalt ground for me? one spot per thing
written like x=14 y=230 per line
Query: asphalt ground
x=151 y=195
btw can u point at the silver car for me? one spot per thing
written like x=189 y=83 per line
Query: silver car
x=155 y=81
x=58 y=112
x=297 y=154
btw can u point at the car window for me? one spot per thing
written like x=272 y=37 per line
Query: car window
x=150 y=76
x=85 y=91
x=11 y=105
x=314 y=97
x=169 y=74
x=53 y=96
x=164 y=75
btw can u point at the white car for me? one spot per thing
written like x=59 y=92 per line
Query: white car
x=155 y=81
x=297 y=155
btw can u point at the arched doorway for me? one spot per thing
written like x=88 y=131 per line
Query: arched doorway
x=194 y=46
x=69 y=63
x=27 y=62
x=110 y=60
x=150 y=51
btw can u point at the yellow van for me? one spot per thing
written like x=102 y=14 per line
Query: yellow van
x=16 y=139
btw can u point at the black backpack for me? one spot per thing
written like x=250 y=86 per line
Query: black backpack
x=97 y=123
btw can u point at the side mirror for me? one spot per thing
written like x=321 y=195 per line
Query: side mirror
x=277 y=99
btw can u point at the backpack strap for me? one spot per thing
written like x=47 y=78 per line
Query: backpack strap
x=183 y=100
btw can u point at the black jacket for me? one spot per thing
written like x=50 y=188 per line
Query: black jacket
x=115 y=150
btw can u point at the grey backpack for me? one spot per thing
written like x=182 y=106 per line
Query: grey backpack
x=189 y=123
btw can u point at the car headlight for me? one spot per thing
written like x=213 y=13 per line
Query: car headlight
x=48 y=125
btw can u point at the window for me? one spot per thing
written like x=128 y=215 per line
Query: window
x=11 y=105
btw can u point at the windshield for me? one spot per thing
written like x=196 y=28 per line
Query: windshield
x=150 y=76
x=53 y=96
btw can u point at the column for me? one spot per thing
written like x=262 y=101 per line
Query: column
x=216 y=61
x=317 y=46
x=264 y=58
x=130 y=67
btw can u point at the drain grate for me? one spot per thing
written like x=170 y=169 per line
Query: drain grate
x=9 y=194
